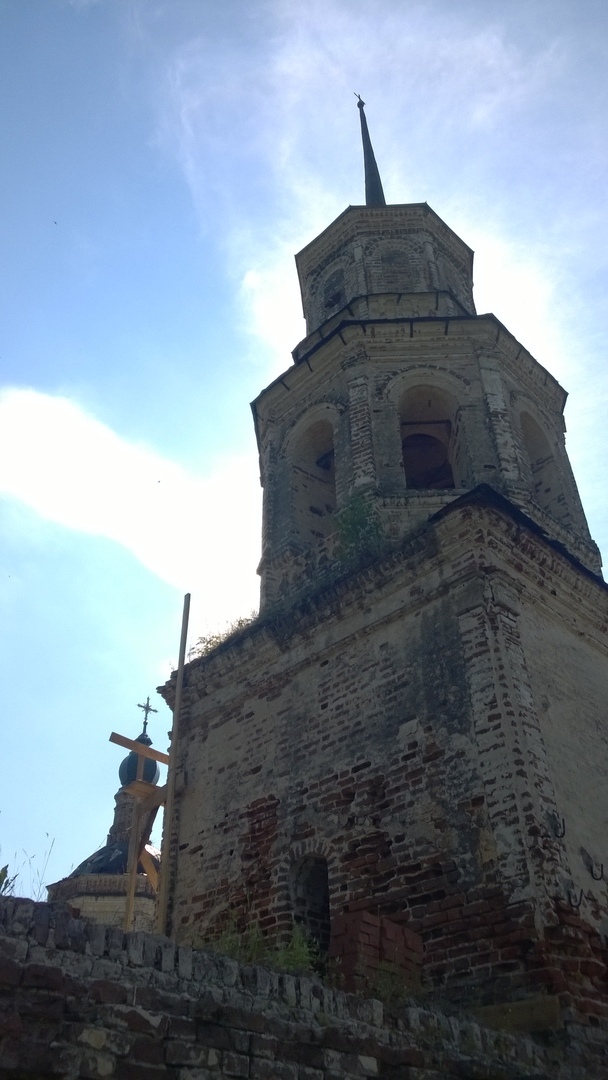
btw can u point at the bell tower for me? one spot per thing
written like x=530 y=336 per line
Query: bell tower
x=412 y=735
x=402 y=394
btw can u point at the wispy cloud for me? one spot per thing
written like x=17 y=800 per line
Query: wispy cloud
x=266 y=135
x=283 y=113
x=197 y=534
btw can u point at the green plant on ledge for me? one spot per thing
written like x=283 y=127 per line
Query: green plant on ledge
x=249 y=947
x=298 y=956
x=359 y=530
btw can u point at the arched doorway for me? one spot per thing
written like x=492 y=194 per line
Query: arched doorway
x=309 y=887
x=433 y=451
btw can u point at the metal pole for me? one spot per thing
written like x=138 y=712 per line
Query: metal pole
x=163 y=893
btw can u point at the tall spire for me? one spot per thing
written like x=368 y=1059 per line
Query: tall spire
x=374 y=195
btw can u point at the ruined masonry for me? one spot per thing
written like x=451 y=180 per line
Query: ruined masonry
x=82 y=1000
x=406 y=753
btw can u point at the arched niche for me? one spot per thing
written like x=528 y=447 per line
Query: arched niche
x=431 y=439
x=309 y=891
x=547 y=487
x=402 y=267
x=334 y=291
x=313 y=482
x=328 y=291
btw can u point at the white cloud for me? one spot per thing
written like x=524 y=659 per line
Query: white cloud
x=234 y=115
x=452 y=101
x=518 y=285
x=199 y=534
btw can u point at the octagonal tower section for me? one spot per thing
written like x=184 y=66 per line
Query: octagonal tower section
x=390 y=261
x=400 y=399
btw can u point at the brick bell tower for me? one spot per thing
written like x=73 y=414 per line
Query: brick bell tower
x=413 y=733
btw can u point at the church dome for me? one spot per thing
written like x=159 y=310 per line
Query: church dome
x=113 y=859
x=127 y=772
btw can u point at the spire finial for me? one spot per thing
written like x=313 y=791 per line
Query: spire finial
x=374 y=195
x=147 y=709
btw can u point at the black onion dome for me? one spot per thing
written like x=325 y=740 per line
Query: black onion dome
x=127 y=772
x=113 y=859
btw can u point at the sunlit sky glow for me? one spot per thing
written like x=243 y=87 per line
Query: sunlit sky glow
x=163 y=161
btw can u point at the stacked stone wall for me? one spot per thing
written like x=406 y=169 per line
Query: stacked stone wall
x=83 y=1000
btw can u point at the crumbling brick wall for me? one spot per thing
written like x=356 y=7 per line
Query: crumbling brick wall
x=368 y=952
x=393 y=727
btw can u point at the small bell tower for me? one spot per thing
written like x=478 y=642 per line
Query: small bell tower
x=98 y=886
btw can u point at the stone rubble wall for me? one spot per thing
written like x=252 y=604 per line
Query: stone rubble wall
x=83 y=1000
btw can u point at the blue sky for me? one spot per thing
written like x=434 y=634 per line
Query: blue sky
x=162 y=161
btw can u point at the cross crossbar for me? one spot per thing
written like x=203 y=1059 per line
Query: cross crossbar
x=140 y=748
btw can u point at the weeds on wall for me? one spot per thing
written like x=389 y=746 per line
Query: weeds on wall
x=249 y=947
x=298 y=956
x=359 y=531
x=208 y=642
x=7 y=881
x=26 y=877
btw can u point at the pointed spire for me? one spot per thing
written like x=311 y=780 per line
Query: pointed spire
x=374 y=195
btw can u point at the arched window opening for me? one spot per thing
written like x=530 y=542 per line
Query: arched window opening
x=425 y=459
x=547 y=488
x=310 y=899
x=433 y=449
x=314 y=483
x=334 y=296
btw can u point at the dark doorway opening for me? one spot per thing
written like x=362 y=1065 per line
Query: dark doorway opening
x=425 y=459
x=310 y=898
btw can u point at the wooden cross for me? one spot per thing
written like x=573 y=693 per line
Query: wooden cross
x=148 y=799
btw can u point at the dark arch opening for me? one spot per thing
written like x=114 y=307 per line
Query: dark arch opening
x=313 y=486
x=426 y=464
x=547 y=487
x=334 y=292
x=310 y=899
x=434 y=455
